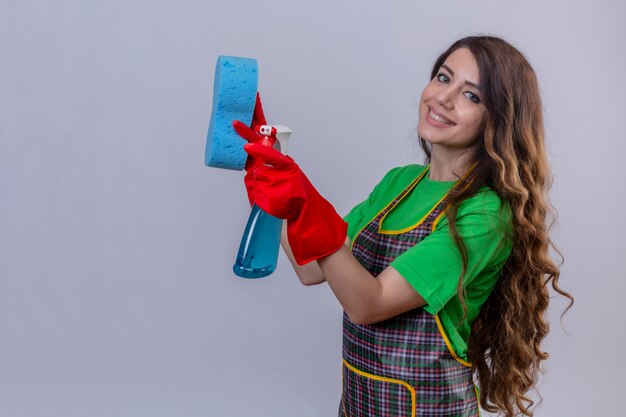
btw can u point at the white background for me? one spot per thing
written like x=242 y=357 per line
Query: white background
x=116 y=242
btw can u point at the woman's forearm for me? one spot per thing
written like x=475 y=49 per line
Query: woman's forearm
x=365 y=298
x=309 y=274
x=352 y=284
x=355 y=288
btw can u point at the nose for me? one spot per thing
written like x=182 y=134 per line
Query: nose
x=444 y=98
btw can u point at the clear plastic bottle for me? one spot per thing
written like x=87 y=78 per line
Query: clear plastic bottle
x=258 y=251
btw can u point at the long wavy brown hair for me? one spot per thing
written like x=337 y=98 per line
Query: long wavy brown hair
x=505 y=340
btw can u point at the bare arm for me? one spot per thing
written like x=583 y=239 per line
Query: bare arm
x=309 y=274
x=365 y=299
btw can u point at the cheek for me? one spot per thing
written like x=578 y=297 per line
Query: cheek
x=476 y=120
x=421 y=110
x=422 y=99
x=427 y=92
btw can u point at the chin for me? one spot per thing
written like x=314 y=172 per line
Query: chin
x=428 y=138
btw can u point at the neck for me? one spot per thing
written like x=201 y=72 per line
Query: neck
x=448 y=164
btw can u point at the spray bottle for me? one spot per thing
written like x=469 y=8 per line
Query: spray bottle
x=258 y=251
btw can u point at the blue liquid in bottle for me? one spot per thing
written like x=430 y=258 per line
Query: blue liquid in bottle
x=258 y=250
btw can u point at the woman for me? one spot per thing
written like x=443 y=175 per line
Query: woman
x=442 y=271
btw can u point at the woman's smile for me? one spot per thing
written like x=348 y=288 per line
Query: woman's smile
x=438 y=120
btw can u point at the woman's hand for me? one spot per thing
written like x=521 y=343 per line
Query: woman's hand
x=250 y=134
x=279 y=187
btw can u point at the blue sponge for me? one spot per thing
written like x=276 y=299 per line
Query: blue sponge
x=234 y=96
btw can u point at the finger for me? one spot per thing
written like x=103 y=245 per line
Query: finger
x=267 y=155
x=250 y=186
x=264 y=203
x=258 y=117
x=262 y=176
x=245 y=132
x=252 y=164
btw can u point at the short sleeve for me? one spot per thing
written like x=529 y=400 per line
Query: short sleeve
x=389 y=186
x=433 y=266
x=356 y=216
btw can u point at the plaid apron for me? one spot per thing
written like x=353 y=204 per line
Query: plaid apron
x=403 y=366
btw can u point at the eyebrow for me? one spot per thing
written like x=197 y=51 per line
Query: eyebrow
x=466 y=82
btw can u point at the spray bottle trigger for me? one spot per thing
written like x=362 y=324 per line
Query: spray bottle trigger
x=269 y=134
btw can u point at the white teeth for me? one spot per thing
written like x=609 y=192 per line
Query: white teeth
x=440 y=119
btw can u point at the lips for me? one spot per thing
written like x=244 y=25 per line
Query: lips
x=439 y=118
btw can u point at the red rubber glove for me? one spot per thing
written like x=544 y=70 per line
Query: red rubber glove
x=280 y=188
x=250 y=134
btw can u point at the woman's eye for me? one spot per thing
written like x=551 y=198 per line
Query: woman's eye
x=443 y=78
x=472 y=96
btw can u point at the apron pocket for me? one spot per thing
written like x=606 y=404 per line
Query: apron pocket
x=367 y=395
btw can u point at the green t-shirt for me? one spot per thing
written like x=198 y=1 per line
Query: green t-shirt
x=433 y=266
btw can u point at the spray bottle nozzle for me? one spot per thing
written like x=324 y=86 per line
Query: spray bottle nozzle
x=266 y=130
x=281 y=133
